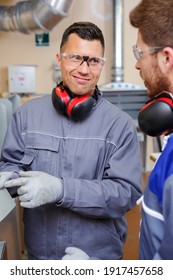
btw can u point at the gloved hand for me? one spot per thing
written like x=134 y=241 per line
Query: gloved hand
x=74 y=253
x=5 y=176
x=36 y=188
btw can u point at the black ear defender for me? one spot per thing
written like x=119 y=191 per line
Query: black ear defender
x=156 y=116
x=77 y=107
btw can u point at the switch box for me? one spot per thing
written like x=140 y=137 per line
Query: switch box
x=22 y=79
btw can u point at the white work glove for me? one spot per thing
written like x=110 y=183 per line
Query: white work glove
x=36 y=188
x=74 y=253
x=5 y=176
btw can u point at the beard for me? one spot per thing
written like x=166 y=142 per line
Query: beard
x=156 y=83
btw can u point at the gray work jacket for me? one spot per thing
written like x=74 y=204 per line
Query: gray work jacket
x=98 y=160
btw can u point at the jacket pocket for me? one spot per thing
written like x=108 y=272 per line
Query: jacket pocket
x=42 y=153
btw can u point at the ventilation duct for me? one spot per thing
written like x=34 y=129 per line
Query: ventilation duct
x=117 y=82
x=118 y=50
x=32 y=16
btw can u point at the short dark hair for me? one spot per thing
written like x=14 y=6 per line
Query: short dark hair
x=154 y=19
x=85 y=30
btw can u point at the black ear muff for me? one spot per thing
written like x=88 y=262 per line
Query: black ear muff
x=60 y=99
x=77 y=108
x=156 y=117
x=80 y=106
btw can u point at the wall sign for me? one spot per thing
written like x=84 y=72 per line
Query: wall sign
x=42 y=40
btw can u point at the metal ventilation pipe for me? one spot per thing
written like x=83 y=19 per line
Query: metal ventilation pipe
x=117 y=81
x=118 y=69
x=34 y=15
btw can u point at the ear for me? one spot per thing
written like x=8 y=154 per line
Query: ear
x=168 y=58
x=58 y=60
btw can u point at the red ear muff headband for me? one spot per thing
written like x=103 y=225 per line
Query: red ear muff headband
x=77 y=107
x=156 y=116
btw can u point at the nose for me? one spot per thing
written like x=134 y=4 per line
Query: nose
x=84 y=67
x=137 y=65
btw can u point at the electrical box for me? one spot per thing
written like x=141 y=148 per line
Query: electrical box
x=22 y=79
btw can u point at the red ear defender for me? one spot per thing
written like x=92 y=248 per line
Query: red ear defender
x=156 y=117
x=60 y=99
x=80 y=106
x=77 y=108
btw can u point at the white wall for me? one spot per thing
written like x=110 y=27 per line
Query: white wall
x=18 y=48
